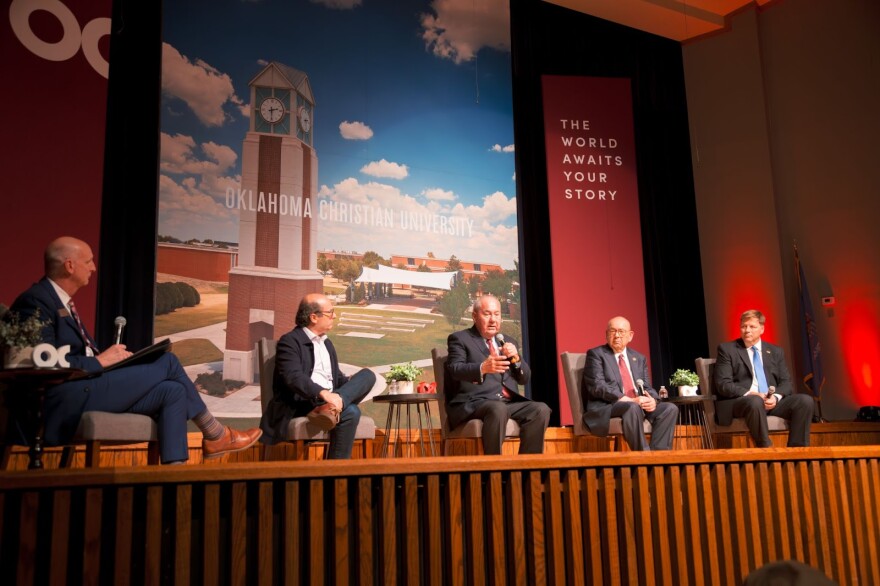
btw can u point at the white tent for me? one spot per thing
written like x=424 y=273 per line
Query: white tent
x=401 y=277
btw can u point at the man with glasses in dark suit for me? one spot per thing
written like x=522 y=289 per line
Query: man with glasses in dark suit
x=611 y=389
x=308 y=382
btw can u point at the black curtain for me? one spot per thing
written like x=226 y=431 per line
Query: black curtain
x=129 y=212
x=550 y=40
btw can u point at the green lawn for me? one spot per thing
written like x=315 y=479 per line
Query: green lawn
x=196 y=351
x=188 y=318
x=394 y=347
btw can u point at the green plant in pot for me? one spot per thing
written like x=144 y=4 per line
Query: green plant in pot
x=687 y=382
x=400 y=378
x=18 y=338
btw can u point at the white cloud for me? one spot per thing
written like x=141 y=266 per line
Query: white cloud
x=385 y=169
x=439 y=194
x=192 y=189
x=502 y=149
x=338 y=4
x=179 y=154
x=491 y=239
x=185 y=211
x=355 y=131
x=458 y=29
x=496 y=208
x=204 y=89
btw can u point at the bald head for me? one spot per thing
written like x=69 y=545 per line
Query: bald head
x=69 y=262
x=315 y=312
x=58 y=251
x=618 y=333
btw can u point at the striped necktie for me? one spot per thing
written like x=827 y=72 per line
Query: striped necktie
x=82 y=330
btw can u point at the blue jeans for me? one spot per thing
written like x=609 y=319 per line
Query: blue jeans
x=352 y=393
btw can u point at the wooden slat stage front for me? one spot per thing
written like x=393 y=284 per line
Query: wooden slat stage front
x=680 y=517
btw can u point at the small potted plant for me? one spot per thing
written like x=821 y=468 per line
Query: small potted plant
x=400 y=378
x=18 y=338
x=687 y=382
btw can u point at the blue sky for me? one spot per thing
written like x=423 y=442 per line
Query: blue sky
x=414 y=113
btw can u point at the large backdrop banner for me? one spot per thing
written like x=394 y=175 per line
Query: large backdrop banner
x=55 y=56
x=311 y=145
x=595 y=234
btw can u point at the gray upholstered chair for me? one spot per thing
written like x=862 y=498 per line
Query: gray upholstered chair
x=300 y=432
x=469 y=430
x=99 y=428
x=705 y=368
x=573 y=368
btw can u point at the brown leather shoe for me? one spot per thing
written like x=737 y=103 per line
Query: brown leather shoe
x=231 y=441
x=324 y=417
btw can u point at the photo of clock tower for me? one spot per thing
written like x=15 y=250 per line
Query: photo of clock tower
x=277 y=260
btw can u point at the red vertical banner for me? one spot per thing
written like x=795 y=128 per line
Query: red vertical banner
x=595 y=233
x=55 y=64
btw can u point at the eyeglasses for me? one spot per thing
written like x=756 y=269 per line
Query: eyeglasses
x=618 y=332
x=331 y=313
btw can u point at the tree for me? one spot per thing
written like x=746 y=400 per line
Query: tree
x=498 y=284
x=372 y=259
x=423 y=268
x=453 y=265
x=323 y=264
x=346 y=270
x=453 y=304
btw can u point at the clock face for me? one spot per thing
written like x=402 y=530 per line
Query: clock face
x=305 y=121
x=272 y=110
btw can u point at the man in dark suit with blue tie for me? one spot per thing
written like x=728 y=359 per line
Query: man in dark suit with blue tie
x=482 y=378
x=611 y=389
x=752 y=382
x=160 y=389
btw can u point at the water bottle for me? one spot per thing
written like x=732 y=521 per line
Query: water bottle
x=664 y=394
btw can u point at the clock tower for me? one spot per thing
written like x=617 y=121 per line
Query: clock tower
x=277 y=233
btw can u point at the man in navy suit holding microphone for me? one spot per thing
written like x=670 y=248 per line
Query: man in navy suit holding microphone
x=483 y=372
x=160 y=389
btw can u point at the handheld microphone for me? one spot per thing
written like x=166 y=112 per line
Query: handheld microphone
x=120 y=323
x=499 y=339
x=641 y=386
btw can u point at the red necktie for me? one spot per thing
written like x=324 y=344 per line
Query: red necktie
x=82 y=330
x=628 y=389
x=494 y=352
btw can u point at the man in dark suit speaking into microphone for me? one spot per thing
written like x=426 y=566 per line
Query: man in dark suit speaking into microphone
x=483 y=372
x=616 y=384
x=160 y=389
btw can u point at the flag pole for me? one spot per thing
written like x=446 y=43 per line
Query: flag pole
x=815 y=378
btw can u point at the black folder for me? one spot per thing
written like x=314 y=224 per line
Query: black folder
x=144 y=355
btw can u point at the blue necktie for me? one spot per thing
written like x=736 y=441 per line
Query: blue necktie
x=759 y=371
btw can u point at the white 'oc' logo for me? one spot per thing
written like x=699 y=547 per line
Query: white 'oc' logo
x=73 y=38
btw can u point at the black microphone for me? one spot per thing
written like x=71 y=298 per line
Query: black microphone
x=120 y=323
x=499 y=339
x=641 y=385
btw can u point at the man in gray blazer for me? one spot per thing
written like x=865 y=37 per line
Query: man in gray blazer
x=754 y=393
x=611 y=389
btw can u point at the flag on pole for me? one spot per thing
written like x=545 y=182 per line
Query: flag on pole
x=814 y=378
